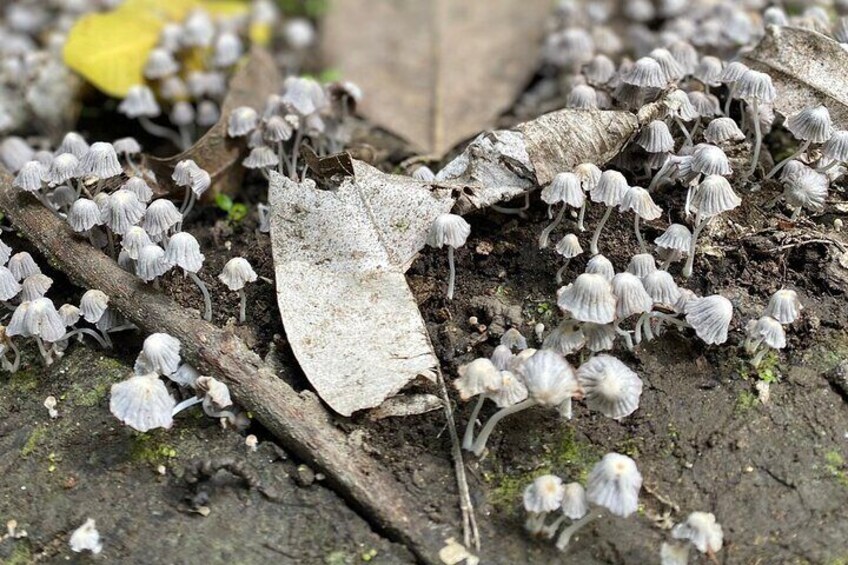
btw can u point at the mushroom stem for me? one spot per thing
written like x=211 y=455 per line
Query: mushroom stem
x=582 y=215
x=660 y=175
x=628 y=340
x=242 y=306
x=642 y=248
x=298 y=138
x=593 y=247
x=693 y=245
x=758 y=358
x=565 y=537
x=480 y=443
x=825 y=168
x=468 y=438
x=14 y=365
x=731 y=93
x=561 y=271
x=48 y=359
x=549 y=531
x=673 y=255
x=776 y=168
x=535 y=523
x=758 y=136
x=665 y=318
x=185 y=138
x=643 y=324
x=207 y=302
x=188 y=205
x=160 y=131
x=452 y=275
x=685 y=131
x=86 y=331
x=187 y=403
x=544 y=238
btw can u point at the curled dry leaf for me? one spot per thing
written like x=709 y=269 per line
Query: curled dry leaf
x=807 y=69
x=256 y=78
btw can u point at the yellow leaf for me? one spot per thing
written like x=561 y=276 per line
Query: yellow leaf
x=168 y=10
x=110 y=50
x=226 y=8
x=260 y=34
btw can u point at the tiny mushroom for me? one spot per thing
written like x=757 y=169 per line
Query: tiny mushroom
x=451 y=230
x=235 y=275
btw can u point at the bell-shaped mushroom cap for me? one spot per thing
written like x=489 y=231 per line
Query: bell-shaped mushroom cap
x=811 y=124
x=706 y=105
x=722 y=130
x=806 y=188
x=589 y=299
x=549 y=378
x=304 y=95
x=185 y=376
x=614 y=483
x=709 y=71
x=422 y=173
x=754 y=85
x=142 y=402
x=513 y=339
x=121 y=211
x=22 y=265
x=35 y=286
x=569 y=246
x=642 y=265
x=679 y=106
x=127 y=146
x=236 y=273
x=139 y=102
x=182 y=114
x=600 y=265
x=836 y=148
x=184 y=252
x=134 y=240
x=582 y=97
x=645 y=73
x=685 y=54
x=784 y=306
x=709 y=160
x=29 y=177
x=676 y=237
x=640 y=202
x=181 y=174
x=656 y=138
x=151 y=262
x=599 y=71
x=217 y=395
x=544 y=494
x=477 y=377
x=161 y=216
x=610 y=189
x=518 y=360
x=242 y=121
x=140 y=188
x=14 y=152
x=262 y=157
x=566 y=339
x=733 y=71
x=609 y=386
x=43 y=320
x=448 y=229
x=86 y=538
x=93 y=304
x=565 y=188
x=198 y=30
x=674 y=554
x=502 y=357
x=661 y=287
x=278 y=129
x=672 y=70
x=70 y=314
x=63 y=196
x=510 y=390
x=769 y=331
x=710 y=318
x=17 y=324
x=73 y=143
x=702 y=530
x=228 y=49
x=160 y=63
x=5 y=253
x=630 y=296
x=574 y=503
x=589 y=175
x=83 y=215
x=9 y=286
x=714 y=196
x=160 y=354
x=63 y=168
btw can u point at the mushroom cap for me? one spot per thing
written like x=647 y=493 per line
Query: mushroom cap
x=673 y=71
x=9 y=285
x=661 y=287
x=127 y=146
x=140 y=188
x=733 y=71
x=569 y=246
x=142 y=402
x=236 y=273
x=630 y=296
x=278 y=129
x=589 y=299
x=574 y=503
x=679 y=106
x=582 y=97
x=73 y=143
x=811 y=124
x=160 y=63
x=642 y=265
x=565 y=188
x=182 y=113
x=198 y=30
x=674 y=554
x=599 y=71
x=754 y=85
x=83 y=215
x=769 y=331
x=43 y=320
x=14 y=152
x=510 y=390
x=609 y=386
x=160 y=354
x=685 y=296
x=710 y=317
x=610 y=189
x=656 y=138
x=710 y=160
x=242 y=121
x=702 y=530
x=262 y=157
x=448 y=229
x=70 y=314
x=480 y=376
x=424 y=174
x=5 y=253
x=161 y=216
x=784 y=306
x=685 y=54
x=706 y=105
x=17 y=324
x=151 y=262
x=566 y=338
x=303 y=95
x=589 y=175
x=139 y=102
x=184 y=252
x=722 y=130
x=807 y=189
x=640 y=202
x=709 y=70
x=93 y=304
x=22 y=265
x=86 y=538
x=134 y=240
x=513 y=339
x=714 y=196
x=502 y=357
x=676 y=237
x=185 y=376
x=216 y=393
x=228 y=49
x=614 y=483
x=35 y=286
x=63 y=168
x=549 y=379
x=544 y=494
x=600 y=265
x=122 y=210
x=645 y=73
x=836 y=148
x=29 y=177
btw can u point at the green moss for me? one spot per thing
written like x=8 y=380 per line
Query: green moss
x=92 y=396
x=21 y=555
x=24 y=380
x=336 y=558
x=368 y=555
x=827 y=353
x=151 y=448
x=835 y=466
x=35 y=438
x=768 y=371
x=746 y=401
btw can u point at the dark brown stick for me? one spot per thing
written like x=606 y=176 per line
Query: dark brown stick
x=298 y=421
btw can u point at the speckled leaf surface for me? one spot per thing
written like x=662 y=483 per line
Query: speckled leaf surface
x=807 y=69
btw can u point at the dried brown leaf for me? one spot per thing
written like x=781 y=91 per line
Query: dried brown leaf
x=215 y=152
x=435 y=72
x=807 y=69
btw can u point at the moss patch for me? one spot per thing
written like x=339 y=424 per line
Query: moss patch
x=34 y=440
x=834 y=463
x=151 y=448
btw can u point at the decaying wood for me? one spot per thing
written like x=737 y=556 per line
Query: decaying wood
x=297 y=420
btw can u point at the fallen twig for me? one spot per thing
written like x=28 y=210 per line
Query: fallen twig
x=297 y=420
